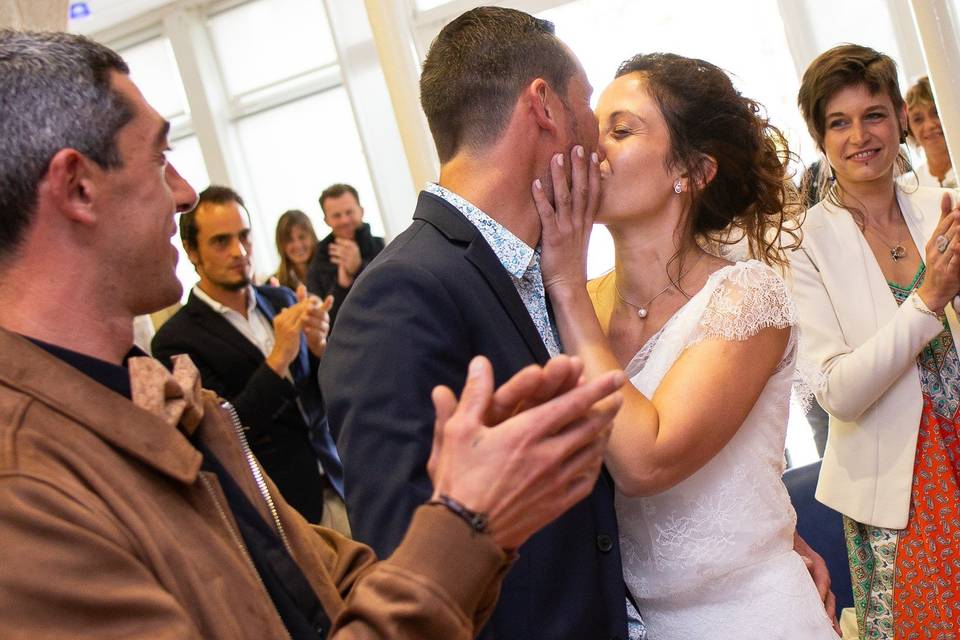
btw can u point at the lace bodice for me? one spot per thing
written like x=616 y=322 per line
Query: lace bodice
x=735 y=304
x=710 y=533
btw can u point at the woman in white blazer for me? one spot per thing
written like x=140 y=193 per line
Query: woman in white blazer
x=872 y=282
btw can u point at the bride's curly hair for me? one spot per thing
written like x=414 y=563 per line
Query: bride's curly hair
x=751 y=198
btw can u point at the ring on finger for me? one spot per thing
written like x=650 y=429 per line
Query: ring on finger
x=942 y=243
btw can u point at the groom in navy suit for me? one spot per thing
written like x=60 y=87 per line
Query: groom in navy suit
x=502 y=96
x=258 y=347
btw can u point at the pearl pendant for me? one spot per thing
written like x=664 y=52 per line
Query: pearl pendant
x=642 y=312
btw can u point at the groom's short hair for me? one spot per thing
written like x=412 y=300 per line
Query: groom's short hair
x=476 y=68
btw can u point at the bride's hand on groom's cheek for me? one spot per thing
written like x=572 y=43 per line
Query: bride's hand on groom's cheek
x=567 y=221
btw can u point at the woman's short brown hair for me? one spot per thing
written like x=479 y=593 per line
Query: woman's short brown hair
x=847 y=65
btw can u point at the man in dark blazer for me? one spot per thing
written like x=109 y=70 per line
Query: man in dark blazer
x=502 y=96
x=258 y=347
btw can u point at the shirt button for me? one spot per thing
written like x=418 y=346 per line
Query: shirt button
x=604 y=543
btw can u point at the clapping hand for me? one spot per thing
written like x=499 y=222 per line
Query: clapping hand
x=539 y=460
x=345 y=253
x=942 y=281
x=307 y=317
x=316 y=320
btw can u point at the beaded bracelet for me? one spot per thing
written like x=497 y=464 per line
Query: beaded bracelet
x=476 y=519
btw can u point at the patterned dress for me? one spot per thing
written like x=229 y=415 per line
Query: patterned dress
x=906 y=583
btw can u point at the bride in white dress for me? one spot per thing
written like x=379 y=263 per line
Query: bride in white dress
x=707 y=532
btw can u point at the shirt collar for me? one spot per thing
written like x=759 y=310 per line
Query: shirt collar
x=514 y=254
x=223 y=309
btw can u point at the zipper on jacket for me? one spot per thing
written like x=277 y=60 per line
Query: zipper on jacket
x=239 y=541
x=257 y=473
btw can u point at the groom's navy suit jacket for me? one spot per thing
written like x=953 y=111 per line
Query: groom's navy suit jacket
x=285 y=421
x=433 y=299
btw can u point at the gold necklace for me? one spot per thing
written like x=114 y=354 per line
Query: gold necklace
x=642 y=309
x=897 y=250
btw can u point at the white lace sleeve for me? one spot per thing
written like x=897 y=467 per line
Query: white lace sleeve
x=751 y=297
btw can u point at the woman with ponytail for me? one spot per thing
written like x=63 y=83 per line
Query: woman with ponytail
x=689 y=167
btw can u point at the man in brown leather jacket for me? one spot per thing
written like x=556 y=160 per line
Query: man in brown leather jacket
x=130 y=504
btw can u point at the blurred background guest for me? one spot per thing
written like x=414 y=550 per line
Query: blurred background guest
x=296 y=244
x=342 y=255
x=924 y=130
x=258 y=347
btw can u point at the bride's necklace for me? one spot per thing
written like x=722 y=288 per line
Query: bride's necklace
x=897 y=250
x=642 y=309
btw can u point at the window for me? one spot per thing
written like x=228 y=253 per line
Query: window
x=186 y=157
x=295 y=151
x=291 y=114
x=868 y=24
x=263 y=42
x=188 y=161
x=426 y=5
x=154 y=70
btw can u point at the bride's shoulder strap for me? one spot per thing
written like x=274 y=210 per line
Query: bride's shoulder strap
x=748 y=297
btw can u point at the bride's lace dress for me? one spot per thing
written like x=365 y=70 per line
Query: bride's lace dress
x=712 y=557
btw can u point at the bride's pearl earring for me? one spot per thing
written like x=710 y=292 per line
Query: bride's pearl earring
x=677 y=187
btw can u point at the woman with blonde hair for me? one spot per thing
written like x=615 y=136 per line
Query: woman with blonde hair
x=872 y=282
x=296 y=244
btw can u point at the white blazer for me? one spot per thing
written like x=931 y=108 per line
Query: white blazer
x=866 y=347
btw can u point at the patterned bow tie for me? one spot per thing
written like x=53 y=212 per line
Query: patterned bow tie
x=175 y=397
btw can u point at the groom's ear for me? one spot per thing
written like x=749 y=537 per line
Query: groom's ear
x=544 y=104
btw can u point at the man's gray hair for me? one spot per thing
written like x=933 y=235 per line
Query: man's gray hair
x=54 y=94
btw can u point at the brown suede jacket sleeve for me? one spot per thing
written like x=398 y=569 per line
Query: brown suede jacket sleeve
x=441 y=582
x=66 y=570
x=96 y=542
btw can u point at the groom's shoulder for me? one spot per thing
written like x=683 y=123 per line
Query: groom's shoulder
x=426 y=245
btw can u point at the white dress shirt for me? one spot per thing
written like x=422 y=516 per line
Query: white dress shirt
x=256 y=327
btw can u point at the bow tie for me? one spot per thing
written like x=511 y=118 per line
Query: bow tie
x=175 y=397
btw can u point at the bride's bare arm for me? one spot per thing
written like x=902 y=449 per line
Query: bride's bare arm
x=704 y=397
x=697 y=408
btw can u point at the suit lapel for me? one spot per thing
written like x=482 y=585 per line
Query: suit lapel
x=219 y=327
x=457 y=228
x=864 y=295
